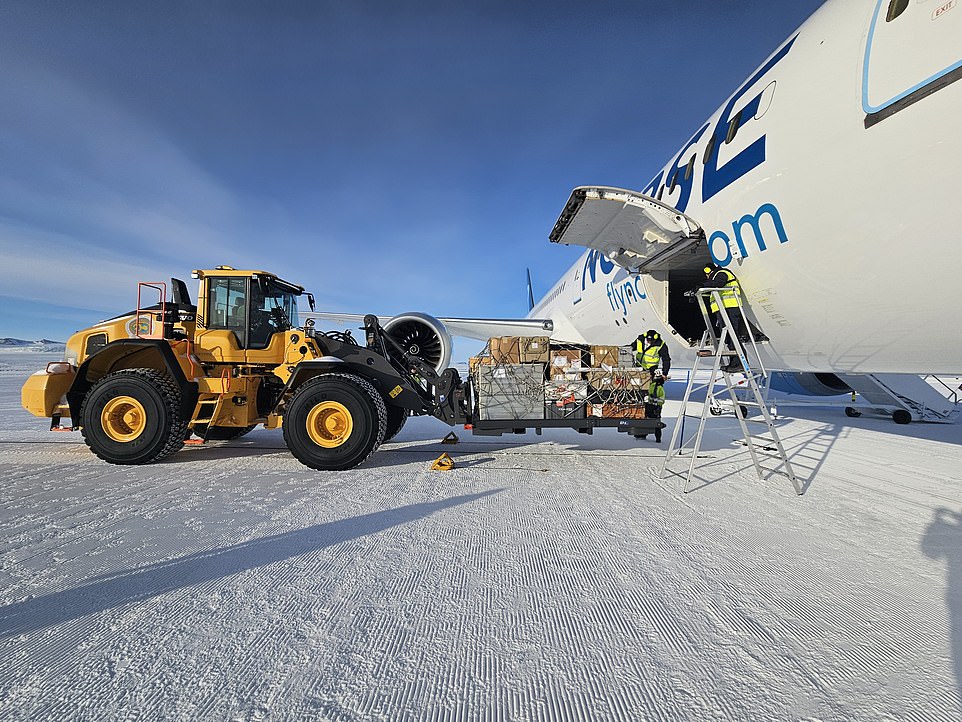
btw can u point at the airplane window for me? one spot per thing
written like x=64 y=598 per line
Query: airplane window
x=896 y=8
x=661 y=192
x=690 y=167
x=709 y=150
x=674 y=181
x=733 y=127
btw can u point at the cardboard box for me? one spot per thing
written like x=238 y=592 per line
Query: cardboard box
x=561 y=389
x=601 y=380
x=619 y=379
x=560 y=410
x=618 y=411
x=534 y=350
x=626 y=357
x=565 y=360
x=476 y=361
x=632 y=379
x=505 y=349
x=604 y=356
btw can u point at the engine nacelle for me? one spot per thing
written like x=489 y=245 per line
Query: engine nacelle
x=809 y=384
x=422 y=336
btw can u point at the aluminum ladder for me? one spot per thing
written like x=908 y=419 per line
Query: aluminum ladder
x=714 y=346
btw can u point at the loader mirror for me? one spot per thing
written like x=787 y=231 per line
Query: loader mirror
x=310 y=301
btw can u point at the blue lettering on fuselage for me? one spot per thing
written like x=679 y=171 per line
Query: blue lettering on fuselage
x=593 y=260
x=622 y=291
x=622 y=295
x=717 y=178
x=719 y=242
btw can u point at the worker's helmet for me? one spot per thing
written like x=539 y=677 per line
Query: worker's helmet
x=710 y=269
x=653 y=334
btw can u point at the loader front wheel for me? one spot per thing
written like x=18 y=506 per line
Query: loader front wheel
x=133 y=417
x=335 y=422
x=396 y=418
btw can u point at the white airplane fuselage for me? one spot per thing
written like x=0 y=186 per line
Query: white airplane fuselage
x=838 y=187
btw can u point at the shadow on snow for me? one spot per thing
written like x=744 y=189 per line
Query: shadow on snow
x=137 y=585
x=943 y=541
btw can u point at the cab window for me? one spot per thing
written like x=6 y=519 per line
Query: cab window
x=273 y=309
x=227 y=306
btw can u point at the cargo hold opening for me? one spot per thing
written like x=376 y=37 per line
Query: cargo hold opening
x=684 y=315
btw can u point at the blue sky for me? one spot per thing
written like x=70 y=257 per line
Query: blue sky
x=389 y=157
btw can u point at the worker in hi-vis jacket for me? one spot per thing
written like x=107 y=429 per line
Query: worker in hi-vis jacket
x=652 y=351
x=731 y=292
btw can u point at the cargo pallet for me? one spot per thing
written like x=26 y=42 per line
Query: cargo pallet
x=586 y=425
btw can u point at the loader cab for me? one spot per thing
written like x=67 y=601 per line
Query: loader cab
x=241 y=313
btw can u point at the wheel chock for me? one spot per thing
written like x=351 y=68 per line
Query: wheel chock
x=451 y=438
x=443 y=463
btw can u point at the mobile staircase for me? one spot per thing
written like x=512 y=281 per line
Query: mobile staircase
x=906 y=397
x=714 y=347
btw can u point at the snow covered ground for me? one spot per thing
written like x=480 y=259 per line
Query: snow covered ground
x=545 y=578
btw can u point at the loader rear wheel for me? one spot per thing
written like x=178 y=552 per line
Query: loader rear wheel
x=396 y=418
x=335 y=422
x=133 y=417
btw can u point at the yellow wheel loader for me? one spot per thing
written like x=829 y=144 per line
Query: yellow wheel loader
x=138 y=385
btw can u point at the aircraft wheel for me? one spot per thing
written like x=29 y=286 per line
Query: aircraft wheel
x=133 y=417
x=715 y=410
x=335 y=422
x=396 y=418
x=901 y=416
x=852 y=413
x=744 y=411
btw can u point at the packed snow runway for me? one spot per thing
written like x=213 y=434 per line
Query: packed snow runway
x=544 y=578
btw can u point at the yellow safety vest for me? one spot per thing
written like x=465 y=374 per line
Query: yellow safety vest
x=648 y=357
x=729 y=292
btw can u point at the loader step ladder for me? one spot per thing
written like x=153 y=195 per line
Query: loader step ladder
x=714 y=349
x=205 y=412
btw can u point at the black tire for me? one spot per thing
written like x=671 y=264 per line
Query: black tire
x=901 y=416
x=222 y=433
x=359 y=422
x=133 y=417
x=852 y=413
x=715 y=410
x=744 y=411
x=396 y=418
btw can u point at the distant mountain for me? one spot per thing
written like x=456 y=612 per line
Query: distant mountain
x=43 y=344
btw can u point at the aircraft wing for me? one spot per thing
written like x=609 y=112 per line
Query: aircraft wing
x=477 y=328
x=635 y=231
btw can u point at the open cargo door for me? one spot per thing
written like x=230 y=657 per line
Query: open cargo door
x=635 y=231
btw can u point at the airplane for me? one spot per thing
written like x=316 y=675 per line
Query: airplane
x=826 y=183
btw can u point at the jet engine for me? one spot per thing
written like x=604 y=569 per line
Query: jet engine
x=809 y=384
x=422 y=336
